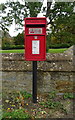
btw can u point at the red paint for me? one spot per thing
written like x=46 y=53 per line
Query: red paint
x=35 y=39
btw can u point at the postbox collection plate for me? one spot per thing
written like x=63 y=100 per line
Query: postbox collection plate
x=35 y=30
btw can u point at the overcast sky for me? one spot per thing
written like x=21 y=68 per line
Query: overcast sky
x=12 y=31
x=3 y=1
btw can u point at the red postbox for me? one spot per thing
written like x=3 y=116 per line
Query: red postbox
x=35 y=39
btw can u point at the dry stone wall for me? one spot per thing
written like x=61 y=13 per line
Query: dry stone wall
x=56 y=73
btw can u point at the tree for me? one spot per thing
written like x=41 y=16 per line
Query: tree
x=62 y=22
x=17 y=12
x=7 y=40
x=19 y=39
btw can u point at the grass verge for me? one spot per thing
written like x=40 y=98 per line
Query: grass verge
x=22 y=51
x=57 y=50
x=12 y=51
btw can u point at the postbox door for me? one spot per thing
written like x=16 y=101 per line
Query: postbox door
x=35 y=47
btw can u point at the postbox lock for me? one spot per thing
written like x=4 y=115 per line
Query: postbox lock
x=35 y=37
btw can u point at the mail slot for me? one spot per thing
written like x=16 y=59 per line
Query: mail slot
x=35 y=39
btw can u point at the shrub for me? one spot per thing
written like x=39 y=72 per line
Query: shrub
x=6 y=47
x=62 y=45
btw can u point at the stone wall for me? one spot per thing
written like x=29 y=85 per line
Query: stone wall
x=56 y=73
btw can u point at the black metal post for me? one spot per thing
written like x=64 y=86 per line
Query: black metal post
x=34 y=81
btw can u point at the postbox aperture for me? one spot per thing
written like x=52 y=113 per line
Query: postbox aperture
x=35 y=39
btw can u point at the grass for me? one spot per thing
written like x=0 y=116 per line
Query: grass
x=22 y=51
x=12 y=51
x=57 y=50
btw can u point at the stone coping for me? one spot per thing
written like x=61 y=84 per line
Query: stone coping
x=55 y=62
x=49 y=57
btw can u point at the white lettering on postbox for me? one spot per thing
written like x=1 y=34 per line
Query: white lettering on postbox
x=35 y=30
x=35 y=47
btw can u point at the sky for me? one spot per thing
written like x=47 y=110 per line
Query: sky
x=12 y=31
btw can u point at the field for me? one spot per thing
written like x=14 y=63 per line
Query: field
x=22 y=51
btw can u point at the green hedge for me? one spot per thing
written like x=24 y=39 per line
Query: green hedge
x=9 y=47
x=62 y=45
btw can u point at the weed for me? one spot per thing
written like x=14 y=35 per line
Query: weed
x=42 y=103
x=52 y=94
x=25 y=94
x=53 y=105
x=68 y=95
x=18 y=113
x=50 y=104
